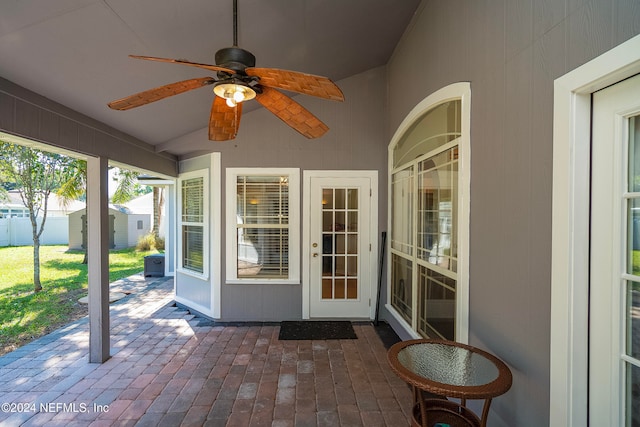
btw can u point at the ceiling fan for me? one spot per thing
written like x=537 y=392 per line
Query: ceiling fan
x=235 y=80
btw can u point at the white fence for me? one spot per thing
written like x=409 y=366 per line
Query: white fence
x=17 y=231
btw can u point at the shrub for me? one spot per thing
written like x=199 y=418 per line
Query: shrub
x=159 y=243
x=149 y=242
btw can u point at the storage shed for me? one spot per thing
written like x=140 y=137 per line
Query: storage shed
x=125 y=227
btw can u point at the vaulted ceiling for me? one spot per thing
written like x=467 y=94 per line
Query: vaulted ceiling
x=75 y=52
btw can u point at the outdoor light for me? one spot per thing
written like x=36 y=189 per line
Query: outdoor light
x=234 y=93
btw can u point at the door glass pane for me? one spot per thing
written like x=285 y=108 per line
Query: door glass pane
x=339 y=246
x=634 y=154
x=633 y=396
x=327 y=198
x=352 y=244
x=633 y=319
x=632 y=309
x=339 y=289
x=352 y=224
x=340 y=266
x=327 y=288
x=327 y=221
x=352 y=266
x=339 y=221
x=340 y=198
x=352 y=288
x=353 y=198
x=633 y=244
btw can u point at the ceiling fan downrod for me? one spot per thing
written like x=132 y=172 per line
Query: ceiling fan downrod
x=235 y=58
x=235 y=23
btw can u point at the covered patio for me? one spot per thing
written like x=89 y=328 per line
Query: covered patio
x=465 y=134
x=170 y=368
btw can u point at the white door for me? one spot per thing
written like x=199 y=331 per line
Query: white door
x=614 y=294
x=340 y=247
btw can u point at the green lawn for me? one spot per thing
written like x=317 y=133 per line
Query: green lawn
x=25 y=315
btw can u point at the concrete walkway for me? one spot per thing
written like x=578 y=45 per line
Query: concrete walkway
x=169 y=368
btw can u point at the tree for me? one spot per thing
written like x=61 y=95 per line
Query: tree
x=128 y=188
x=158 y=204
x=74 y=187
x=37 y=174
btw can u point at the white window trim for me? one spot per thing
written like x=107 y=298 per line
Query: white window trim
x=294 y=224
x=205 y=232
x=570 y=228
x=461 y=91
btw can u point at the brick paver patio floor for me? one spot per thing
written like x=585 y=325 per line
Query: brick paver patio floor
x=169 y=368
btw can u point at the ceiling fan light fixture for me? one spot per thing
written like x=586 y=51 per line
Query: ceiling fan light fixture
x=234 y=93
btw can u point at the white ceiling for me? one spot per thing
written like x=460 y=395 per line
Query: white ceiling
x=76 y=52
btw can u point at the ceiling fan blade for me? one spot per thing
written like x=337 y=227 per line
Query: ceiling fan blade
x=159 y=93
x=224 y=121
x=292 y=113
x=294 y=81
x=184 y=62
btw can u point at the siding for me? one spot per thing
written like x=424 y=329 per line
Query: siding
x=29 y=115
x=511 y=52
x=357 y=139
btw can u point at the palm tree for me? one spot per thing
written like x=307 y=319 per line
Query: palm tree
x=74 y=188
x=127 y=189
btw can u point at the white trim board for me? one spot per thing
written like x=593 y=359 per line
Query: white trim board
x=570 y=228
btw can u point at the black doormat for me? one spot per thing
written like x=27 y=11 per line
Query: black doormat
x=387 y=335
x=317 y=330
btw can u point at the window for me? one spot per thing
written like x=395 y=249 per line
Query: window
x=429 y=219
x=263 y=225
x=193 y=230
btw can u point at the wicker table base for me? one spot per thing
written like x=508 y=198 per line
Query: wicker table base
x=444 y=411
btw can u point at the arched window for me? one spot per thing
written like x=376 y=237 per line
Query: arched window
x=429 y=216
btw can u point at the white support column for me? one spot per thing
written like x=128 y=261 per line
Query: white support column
x=98 y=258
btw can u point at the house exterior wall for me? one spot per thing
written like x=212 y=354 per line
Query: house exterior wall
x=357 y=139
x=194 y=290
x=75 y=229
x=133 y=232
x=120 y=229
x=511 y=52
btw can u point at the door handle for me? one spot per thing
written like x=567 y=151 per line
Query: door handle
x=315 y=254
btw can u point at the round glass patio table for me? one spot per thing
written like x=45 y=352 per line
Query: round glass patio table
x=448 y=369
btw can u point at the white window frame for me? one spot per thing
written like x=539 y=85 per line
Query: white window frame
x=570 y=228
x=293 y=175
x=205 y=224
x=456 y=91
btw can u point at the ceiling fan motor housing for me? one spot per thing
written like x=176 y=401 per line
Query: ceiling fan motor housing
x=235 y=58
